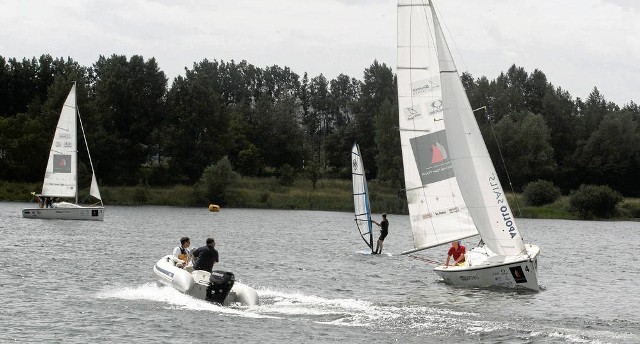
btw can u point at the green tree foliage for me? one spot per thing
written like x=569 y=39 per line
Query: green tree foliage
x=197 y=122
x=610 y=155
x=387 y=139
x=559 y=112
x=379 y=85
x=312 y=170
x=143 y=131
x=591 y=201
x=217 y=178
x=130 y=103
x=525 y=145
x=540 y=192
x=287 y=175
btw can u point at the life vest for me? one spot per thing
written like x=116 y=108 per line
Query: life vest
x=184 y=255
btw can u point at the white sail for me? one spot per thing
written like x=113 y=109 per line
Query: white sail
x=60 y=179
x=94 y=190
x=472 y=164
x=362 y=207
x=437 y=210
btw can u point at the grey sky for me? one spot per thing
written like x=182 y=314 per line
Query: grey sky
x=577 y=44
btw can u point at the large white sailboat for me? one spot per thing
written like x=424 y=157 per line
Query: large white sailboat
x=361 y=205
x=453 y=191
x=61 y=175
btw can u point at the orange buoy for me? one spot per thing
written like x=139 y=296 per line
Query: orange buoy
x=214 y=208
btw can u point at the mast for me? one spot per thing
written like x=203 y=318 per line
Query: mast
x=75 y=107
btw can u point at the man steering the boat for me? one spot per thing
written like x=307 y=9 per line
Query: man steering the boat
x=205 y=256
x=457 y=251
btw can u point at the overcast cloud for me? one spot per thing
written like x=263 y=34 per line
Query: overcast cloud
x=577 y=44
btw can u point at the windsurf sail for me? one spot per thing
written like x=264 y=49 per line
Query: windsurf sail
x=362 y=207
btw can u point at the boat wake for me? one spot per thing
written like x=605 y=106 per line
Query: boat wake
x=174 y=299
x=418 y=320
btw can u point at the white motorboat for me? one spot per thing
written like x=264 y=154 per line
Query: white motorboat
x=217 y=286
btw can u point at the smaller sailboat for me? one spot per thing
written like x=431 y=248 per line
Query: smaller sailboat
x=61 y=175
x=362 y=208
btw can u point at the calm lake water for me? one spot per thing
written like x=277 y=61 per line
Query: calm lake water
x=81 y=282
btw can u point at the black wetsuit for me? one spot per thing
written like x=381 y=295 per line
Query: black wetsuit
x=204 y=256
x=384 y=225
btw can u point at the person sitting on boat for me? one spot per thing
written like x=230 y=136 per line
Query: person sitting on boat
x=384 y=231
x=38 y=199
x=457 y=251
x=48 y=202
x=182 y=252
x=205 y=256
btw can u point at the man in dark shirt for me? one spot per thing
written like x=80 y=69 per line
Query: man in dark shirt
x=384 y=230
x=205 y=256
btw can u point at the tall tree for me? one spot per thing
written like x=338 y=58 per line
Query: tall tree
x=611 y=154
x=387 y=138
x=526 y=149
x=130 y=99
x=379 y=85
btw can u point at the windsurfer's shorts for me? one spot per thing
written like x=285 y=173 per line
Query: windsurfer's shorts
x=383 y=235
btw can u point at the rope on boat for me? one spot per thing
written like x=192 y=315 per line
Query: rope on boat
x=426 y=260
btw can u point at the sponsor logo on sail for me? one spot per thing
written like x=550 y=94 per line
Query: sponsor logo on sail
x=432 y=159
x=422 y=87
x=412 y=113
x=436 y=107
x=504 y=206
x=61 y=163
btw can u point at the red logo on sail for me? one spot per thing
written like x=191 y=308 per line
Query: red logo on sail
x=61 y=163
x=438 y=153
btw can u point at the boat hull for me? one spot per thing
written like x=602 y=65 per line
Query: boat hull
x=519 y=272
x=64 y=213
x=196 y=283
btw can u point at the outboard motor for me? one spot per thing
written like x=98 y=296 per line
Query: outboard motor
x=220 y=284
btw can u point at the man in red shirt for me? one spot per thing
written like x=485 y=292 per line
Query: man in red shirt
x=456 y=251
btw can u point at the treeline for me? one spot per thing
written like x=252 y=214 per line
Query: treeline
x=141 y=130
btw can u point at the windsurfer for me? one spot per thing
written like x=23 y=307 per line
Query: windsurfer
x=384 y=230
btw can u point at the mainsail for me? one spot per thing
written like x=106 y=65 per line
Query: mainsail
x=437 y=211
x=362 y=208
x=60 y=178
